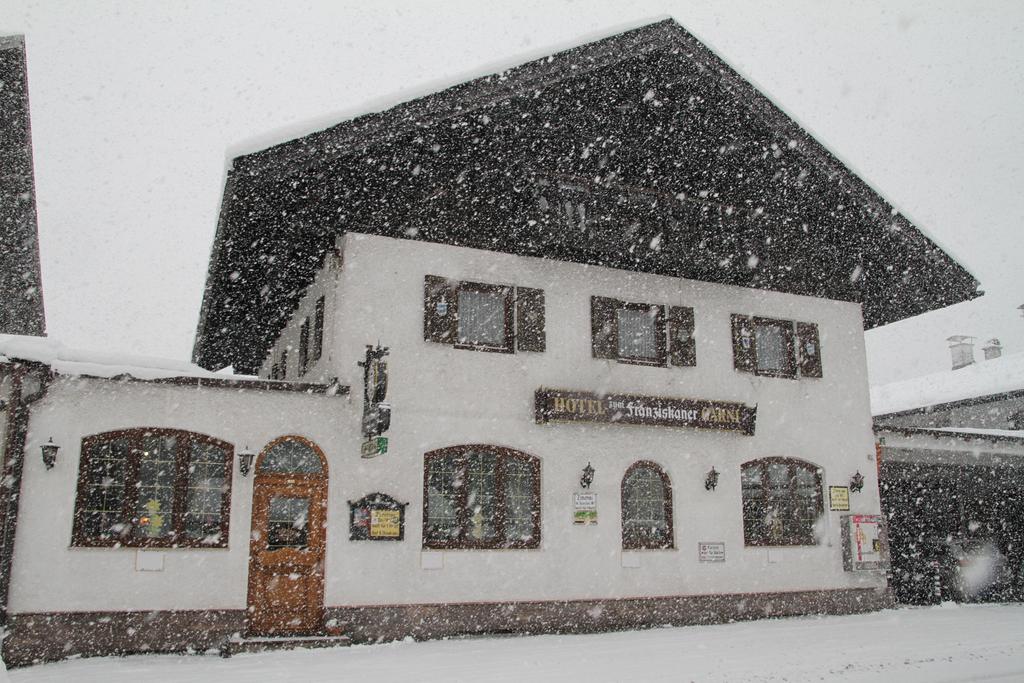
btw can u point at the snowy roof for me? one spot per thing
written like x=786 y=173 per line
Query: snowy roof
x=68 y=361
x=643 y=151
x=985 y=378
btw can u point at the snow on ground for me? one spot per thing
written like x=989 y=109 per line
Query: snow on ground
x=935 y=644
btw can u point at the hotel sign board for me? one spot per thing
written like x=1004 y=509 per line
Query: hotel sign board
x=557 y=405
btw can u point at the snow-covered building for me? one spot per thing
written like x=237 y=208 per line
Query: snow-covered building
x=602 y=316
x=951 y=450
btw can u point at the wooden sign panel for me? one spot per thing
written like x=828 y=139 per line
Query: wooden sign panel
x=556 y=405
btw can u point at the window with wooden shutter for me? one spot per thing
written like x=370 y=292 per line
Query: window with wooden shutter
x=530 y=327
x=303 y=346
x=744 y=353
x=440 y=310
x=775 y=348
x=808 y=349
x=318 y=330
x=604 y=327
x=642 y=334
x=483 y=317
x=682 y=348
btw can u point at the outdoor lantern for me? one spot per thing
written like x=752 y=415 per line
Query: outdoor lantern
x=588 y=476
x=50 y=453
x=711 y=481
x=245 y=458
x=857 y=482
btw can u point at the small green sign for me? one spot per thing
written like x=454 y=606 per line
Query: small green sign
x=374 y=446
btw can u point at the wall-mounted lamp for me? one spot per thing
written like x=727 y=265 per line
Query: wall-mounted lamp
x=857 y=482
x=711 y=481
x=50 y=453
x=245 y=458
x=588 y=476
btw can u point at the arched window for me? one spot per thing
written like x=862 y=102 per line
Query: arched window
x=153 y=487
x=290 y=455
x=782 y=501
x=646 y=507
x=481 y=497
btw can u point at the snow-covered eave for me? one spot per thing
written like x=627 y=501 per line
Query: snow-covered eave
x=241 y=383
x=101 y=365
x=955 y=433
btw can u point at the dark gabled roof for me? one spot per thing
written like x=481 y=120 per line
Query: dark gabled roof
x=642 y=151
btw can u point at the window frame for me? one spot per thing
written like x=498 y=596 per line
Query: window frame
x=660 y=358
x=789 y=335
x=303 y=347
x=633 y=543
x=674 y=333
x=127 y=539
x=499 y=542
x=790 y=539
x=508 y=317
x=318 y=330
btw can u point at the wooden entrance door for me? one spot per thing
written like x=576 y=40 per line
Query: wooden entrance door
x=286 y=550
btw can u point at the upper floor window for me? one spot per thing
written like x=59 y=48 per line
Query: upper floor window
x=485 y=317
x=318 y=331
x=481 y=497
x=303 y=347
x=643 y=334
x=153 y=487
x=782 y=501
x=646 y=507
x=776 y=348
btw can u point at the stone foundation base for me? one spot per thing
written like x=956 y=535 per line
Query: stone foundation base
x=391 y=622
x=46 y=637
x=34 y=638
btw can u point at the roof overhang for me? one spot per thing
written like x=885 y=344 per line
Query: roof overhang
x=683 y=169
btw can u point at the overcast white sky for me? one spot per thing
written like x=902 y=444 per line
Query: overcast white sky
x=136 y=107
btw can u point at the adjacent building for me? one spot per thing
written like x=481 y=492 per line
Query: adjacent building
x=952 y=471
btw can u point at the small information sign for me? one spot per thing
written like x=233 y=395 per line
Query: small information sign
x=839 y=498
x=584 y=508
x=713 y=551
x=385 y=523
x=374 y=446
x=377 y=517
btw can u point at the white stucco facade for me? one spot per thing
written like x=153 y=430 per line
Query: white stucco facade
x=443 y=396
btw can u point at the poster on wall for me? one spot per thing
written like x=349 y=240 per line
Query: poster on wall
x=376 y=517
x=584 y=508
x=865 y=546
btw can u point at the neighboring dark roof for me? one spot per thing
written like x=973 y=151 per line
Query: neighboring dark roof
x=21 y=284
x=659 y=139
x=995 y=436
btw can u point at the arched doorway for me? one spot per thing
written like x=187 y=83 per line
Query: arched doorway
x=286 y=548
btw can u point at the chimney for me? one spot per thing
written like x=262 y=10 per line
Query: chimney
x=992 y=349
x=962 y=350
